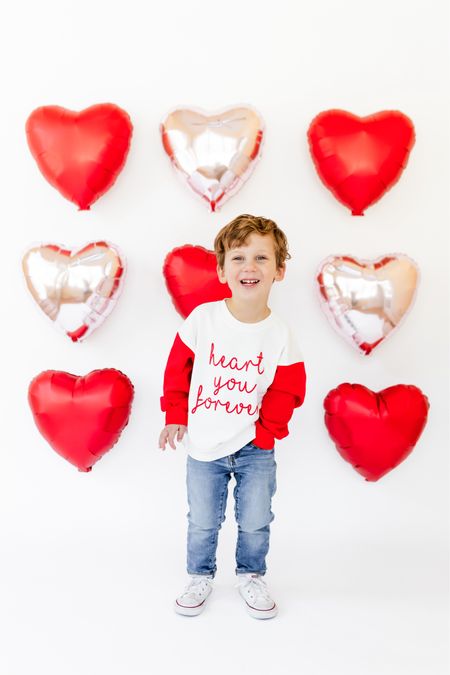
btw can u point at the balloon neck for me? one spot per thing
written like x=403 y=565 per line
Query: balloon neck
x=78 y=334
x=357 y=213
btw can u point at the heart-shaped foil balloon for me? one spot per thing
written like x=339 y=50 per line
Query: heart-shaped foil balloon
x=375 y=431
x=191 y=278
x=76 y=289
x=360 y=158
x=80 y=153
x=81 y=417
x=366 y=300
x=215 y=153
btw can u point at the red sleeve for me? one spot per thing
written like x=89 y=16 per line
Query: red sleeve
x=286 y=392
x=177 y=379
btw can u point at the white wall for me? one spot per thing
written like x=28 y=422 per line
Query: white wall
x=92 y=561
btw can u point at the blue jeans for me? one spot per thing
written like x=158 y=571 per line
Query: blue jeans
x=207 y=486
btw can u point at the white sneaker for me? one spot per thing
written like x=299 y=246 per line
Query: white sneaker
x=193 y=599
x=253 y=590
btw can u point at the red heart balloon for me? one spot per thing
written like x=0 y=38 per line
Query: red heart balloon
x=80 y=153
x=191 y=278
x=360 y=158
x=375 y=431
x=81 y=417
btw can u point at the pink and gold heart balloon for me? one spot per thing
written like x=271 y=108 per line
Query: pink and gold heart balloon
x=215 y=153
x=365 y=300
x=76 y=289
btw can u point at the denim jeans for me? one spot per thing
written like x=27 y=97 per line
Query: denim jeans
x=207 y=486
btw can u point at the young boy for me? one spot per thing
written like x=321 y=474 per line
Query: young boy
x=233 y=378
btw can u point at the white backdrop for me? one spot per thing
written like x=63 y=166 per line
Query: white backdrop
x=91 y=562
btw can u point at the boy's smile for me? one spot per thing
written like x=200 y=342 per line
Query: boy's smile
x=250 y=270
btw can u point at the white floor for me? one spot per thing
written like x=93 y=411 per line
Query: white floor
x=79 y=605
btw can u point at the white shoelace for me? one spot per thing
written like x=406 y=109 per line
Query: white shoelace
x=256 y=587
x=197 y=585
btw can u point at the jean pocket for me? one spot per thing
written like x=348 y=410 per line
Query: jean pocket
x=252 y=445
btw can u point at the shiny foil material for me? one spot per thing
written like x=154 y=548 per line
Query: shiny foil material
x=360 y=158
x=365 y=300
x=76 y=289
x=80 y=153
x=191 y=278
x=215 y=153
x=375 y=431
x=81 y=416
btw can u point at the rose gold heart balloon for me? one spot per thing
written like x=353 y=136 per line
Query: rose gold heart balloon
x=76 y=289
x=215 y=153
x=366 y=300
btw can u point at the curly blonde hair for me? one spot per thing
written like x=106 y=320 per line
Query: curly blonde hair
x=235 y=234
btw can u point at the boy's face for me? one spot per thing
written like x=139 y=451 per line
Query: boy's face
x=251 y=269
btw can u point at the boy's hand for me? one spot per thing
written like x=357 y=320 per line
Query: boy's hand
x=168 y=435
